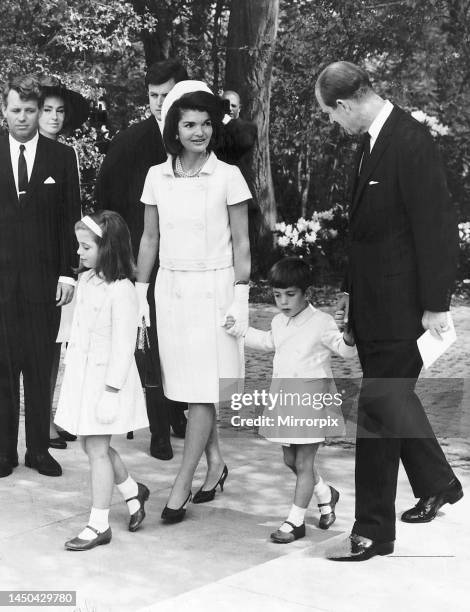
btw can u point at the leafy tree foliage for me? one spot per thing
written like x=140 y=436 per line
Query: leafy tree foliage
x=417 y=52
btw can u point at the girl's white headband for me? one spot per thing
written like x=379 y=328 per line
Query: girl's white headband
x=95 y=228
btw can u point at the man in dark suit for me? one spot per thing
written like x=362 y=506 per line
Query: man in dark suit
x=239 y=135
x=119 y=187
x=402 y=263
x=40 y=203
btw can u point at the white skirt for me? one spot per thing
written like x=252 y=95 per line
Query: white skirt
x=195 y=350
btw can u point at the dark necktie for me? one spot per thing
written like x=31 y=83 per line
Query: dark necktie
x=22 y=173
x=365 y=152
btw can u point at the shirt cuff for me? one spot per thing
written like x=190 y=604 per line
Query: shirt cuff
x=68 y=280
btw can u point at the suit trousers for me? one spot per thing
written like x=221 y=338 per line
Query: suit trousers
x=392 y=425
x=158 y=406
x=27 y=338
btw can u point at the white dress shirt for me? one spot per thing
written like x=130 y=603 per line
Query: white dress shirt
x=379 y=121
x=29 y=155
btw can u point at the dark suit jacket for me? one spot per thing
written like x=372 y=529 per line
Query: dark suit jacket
x=237 y=139
x=122 y=175
x=403 y=234
x=37 y=239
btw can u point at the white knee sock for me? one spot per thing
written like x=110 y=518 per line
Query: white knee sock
x=296 y=517
x=98 y=520
x=128 y=489
x=323 y=494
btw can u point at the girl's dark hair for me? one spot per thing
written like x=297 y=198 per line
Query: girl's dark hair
x=199 y=101
x=115 y=258
x=290 y=272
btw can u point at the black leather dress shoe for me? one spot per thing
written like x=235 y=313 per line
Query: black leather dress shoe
x=283 y=537
x=142 y=496
x=175 y=515
x=44 y=463
x=6 y=467
x=57 y=443
x=160 y=448
x=178 y=422
x=67 y=436
x=427 y=507
x=361 y=549
x=102 y=537
x=326 y=520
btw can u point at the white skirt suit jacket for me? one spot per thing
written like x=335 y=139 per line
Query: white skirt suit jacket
x=100 y=353
x=303 y=348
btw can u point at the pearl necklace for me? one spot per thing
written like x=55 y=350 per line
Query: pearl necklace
x=181 y=172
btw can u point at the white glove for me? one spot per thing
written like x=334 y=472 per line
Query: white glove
x=239 y=311
x=144 y=308
x=107 y=407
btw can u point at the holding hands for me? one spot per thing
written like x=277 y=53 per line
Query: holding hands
x=236 y=317
x=342 y=319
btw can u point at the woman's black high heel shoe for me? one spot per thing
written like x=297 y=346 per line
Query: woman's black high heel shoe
x=205 y=496
x=171 y=515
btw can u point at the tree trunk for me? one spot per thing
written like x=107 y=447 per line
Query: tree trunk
x=157 y=44
x=215 y=44
x=251 y=40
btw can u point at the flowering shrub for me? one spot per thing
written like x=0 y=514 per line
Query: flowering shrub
x=320 y=240
x=435 y=127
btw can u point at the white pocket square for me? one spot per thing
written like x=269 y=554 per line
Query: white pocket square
x=49 y=181
x=373 y=182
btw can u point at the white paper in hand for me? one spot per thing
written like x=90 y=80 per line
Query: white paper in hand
x=431 y=348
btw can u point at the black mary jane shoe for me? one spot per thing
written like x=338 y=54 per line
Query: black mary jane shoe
x=142 y=496
x=427 y=508
x=205 y=496
x=171 y=515
x=283 y=537
x=361 y=549
x=67 y=436
x=57 y=443
x=326 y=520
x=102 y=537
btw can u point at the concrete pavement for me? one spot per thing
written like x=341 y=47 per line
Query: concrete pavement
x=220 y=556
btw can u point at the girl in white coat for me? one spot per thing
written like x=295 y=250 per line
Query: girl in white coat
x=303 y=339
x=101 y=393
